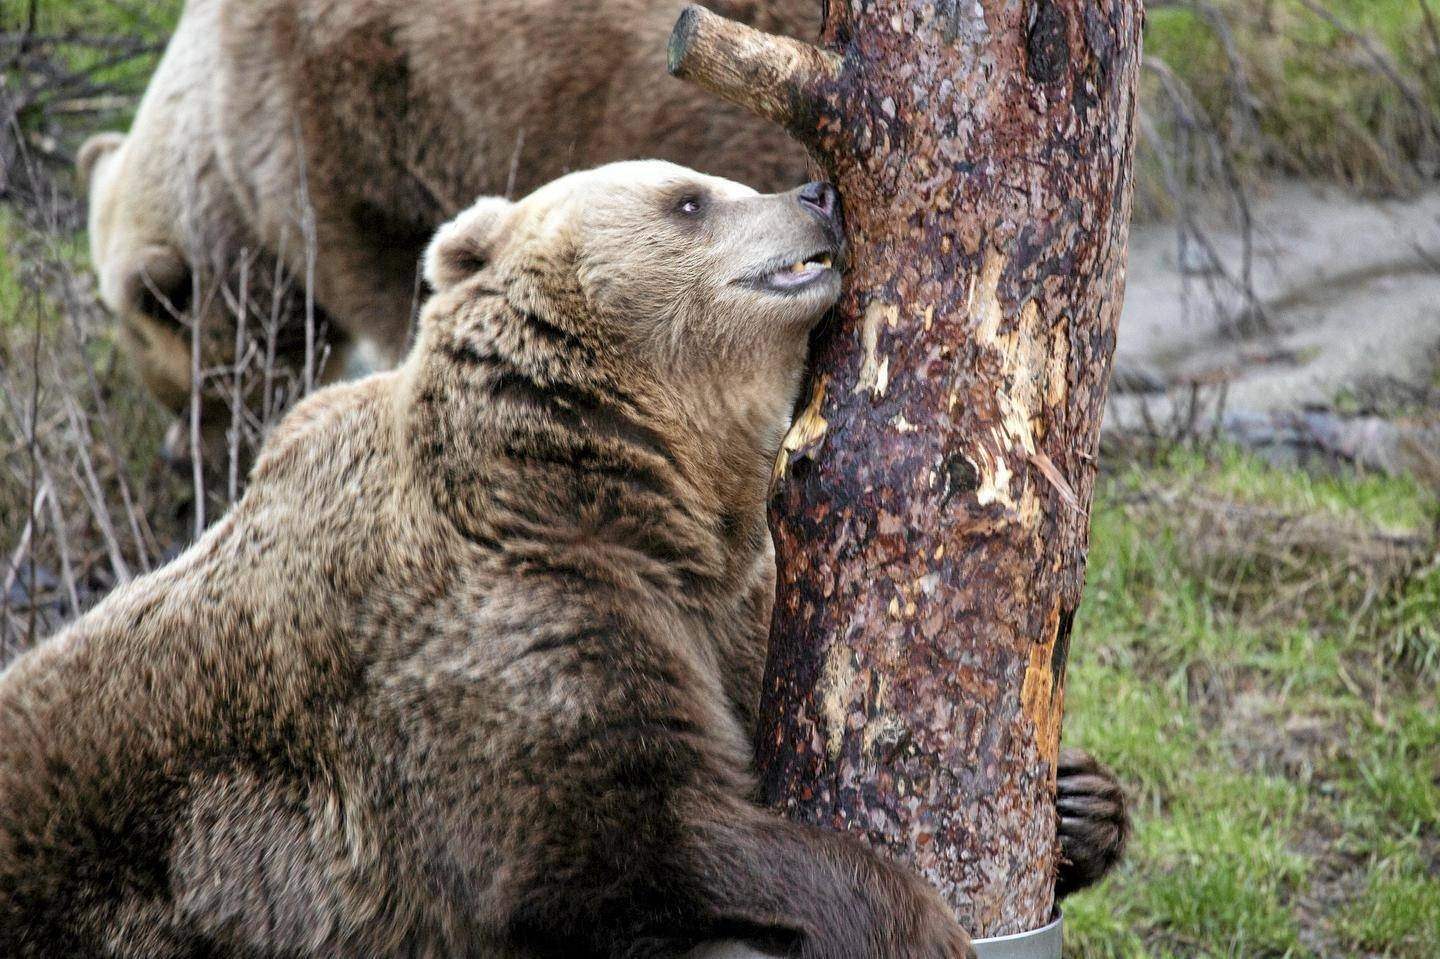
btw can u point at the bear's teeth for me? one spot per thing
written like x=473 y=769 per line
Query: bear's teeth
x=803 y=266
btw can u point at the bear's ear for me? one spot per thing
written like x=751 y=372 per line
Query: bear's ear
x=92 y=151
x=464 y=246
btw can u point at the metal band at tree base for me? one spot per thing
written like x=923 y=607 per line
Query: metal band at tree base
x=1042 y=943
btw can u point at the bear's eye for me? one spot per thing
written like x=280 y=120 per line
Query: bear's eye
x=689 y=204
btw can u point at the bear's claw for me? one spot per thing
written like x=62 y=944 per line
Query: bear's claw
x=1094 y=825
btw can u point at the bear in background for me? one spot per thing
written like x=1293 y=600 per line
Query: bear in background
x=322 y=144
x=470 y=667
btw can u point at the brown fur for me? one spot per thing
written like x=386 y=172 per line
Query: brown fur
x=469 y=668
x=170 y=241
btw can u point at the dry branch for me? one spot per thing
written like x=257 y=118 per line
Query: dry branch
x=778 y=78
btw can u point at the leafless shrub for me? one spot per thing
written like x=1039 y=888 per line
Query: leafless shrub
x=1269 y=564
x=86 y=500
x=1192 y=416
x=57 y=86
x=1270 y=119
x=78 y=512
x=1193 y=158
x=1201 y=150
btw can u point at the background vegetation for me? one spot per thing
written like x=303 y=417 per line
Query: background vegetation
x=1259 y=649
x=1257 y=654
x=1341 y=90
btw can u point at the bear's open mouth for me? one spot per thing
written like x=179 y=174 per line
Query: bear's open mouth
x=788 y=276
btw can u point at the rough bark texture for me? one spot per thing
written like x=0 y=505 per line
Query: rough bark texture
x=932 y=518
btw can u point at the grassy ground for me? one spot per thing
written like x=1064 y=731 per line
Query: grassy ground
x=1339 y=90
x=148 y=21
x=9 y=283
x=1257 y=655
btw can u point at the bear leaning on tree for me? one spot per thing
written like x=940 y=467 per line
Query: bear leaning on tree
x=384 y=117
x=471 y=666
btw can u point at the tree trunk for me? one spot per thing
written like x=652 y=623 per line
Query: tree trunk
x=932 y=512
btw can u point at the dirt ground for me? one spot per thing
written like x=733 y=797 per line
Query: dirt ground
x=1320 y=332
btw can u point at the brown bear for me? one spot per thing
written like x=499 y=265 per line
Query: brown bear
x=172 y=248
x=469 y=668
x=383 y=117
x=324 y=142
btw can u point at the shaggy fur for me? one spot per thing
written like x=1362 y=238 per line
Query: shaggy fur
x=469 y=670
x=394 y=108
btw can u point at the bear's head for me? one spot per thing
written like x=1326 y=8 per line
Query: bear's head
x=144 y=280
x=696 y=284
x=171 y=256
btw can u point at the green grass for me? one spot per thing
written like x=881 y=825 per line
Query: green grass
x=1285 y=770
x=20 y=302
x=148 y=23
x=1400 y=909
x=148 y=20
x=1321 y=107
x=1394 y=503
x=9 y=282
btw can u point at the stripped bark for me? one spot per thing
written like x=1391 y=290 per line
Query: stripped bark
x=931 y=520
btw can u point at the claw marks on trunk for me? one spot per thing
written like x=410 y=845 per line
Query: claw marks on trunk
x=835 y=691
x=1043 y=692
x=875 y=371
x=882 y=732
x=1032 y=362
x=805 y=433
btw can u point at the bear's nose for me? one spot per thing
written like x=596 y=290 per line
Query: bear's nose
x=820 y=198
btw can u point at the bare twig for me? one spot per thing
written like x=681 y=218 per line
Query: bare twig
x=237 y=398
x=774 y=77
x=57 y=517
x=1237 y=76
x=95 y=496
x=1432 y=31
x=514 y=163
x=307 y=236
x=272 y=336
x=1192 y=120
x=22 y=548
x=40 y=41
x=108 y=431
x=32 y=17
x=197 y=454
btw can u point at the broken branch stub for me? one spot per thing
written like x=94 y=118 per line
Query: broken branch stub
x=778 y=78
x=931 y=532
